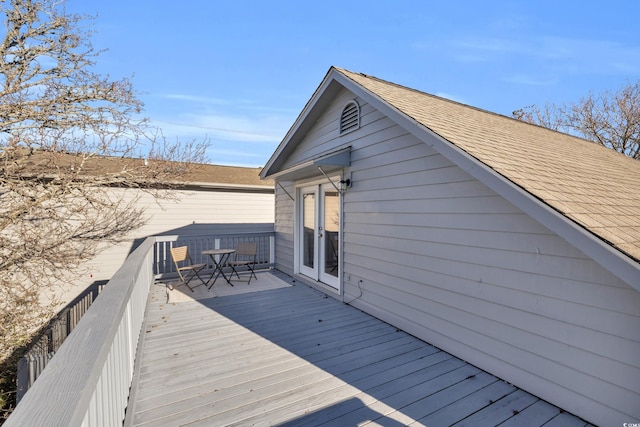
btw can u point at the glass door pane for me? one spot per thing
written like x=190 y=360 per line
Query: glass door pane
x=331 y=225
x=308 y=229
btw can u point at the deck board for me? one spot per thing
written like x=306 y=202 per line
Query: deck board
x=291 y=356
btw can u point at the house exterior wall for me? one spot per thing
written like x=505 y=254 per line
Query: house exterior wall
x=191 y=211
x=431 y=250
x=283 y=226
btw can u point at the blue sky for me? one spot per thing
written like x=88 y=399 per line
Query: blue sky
x=239 y=72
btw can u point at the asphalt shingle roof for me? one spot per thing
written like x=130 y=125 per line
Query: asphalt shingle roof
x=594 y=186
x=40 y=162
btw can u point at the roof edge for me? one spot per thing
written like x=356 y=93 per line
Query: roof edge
x=317 y=94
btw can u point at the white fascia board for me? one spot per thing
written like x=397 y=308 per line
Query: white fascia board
x=302 y=117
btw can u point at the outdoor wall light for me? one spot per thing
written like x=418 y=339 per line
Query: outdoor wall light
x=346 y=182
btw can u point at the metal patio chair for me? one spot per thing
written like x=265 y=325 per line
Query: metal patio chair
x=245 y=256
x=187 y=270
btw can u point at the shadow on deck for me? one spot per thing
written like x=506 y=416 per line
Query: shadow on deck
x=290 y=355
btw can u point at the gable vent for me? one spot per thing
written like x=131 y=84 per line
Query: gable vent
x=350 y=118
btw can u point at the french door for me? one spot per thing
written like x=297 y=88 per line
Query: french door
x=319 y=233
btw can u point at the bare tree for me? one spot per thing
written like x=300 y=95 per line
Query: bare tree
x=611 y=119
x=68 y=137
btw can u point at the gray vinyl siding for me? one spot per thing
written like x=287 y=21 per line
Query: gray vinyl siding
x=435 y=252
x=284 y=226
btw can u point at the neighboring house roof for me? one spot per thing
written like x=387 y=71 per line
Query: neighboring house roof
x=595 y=187
x=196 y=176
x=209 y=175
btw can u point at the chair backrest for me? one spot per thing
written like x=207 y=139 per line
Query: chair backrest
x=246 y=249
x=180 y=254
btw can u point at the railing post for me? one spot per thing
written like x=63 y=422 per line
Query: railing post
x=216 y=245
x=272 y=250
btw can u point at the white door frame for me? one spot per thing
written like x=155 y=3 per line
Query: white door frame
x=314 y=267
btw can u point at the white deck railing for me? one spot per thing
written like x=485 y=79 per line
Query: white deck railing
x=87 y=382
x=163 y=263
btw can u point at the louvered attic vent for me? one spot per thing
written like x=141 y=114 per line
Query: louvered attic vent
x=350 y=118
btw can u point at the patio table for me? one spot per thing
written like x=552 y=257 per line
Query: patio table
x=218 y=263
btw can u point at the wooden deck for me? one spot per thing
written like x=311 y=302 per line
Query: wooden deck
x=292 y=356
